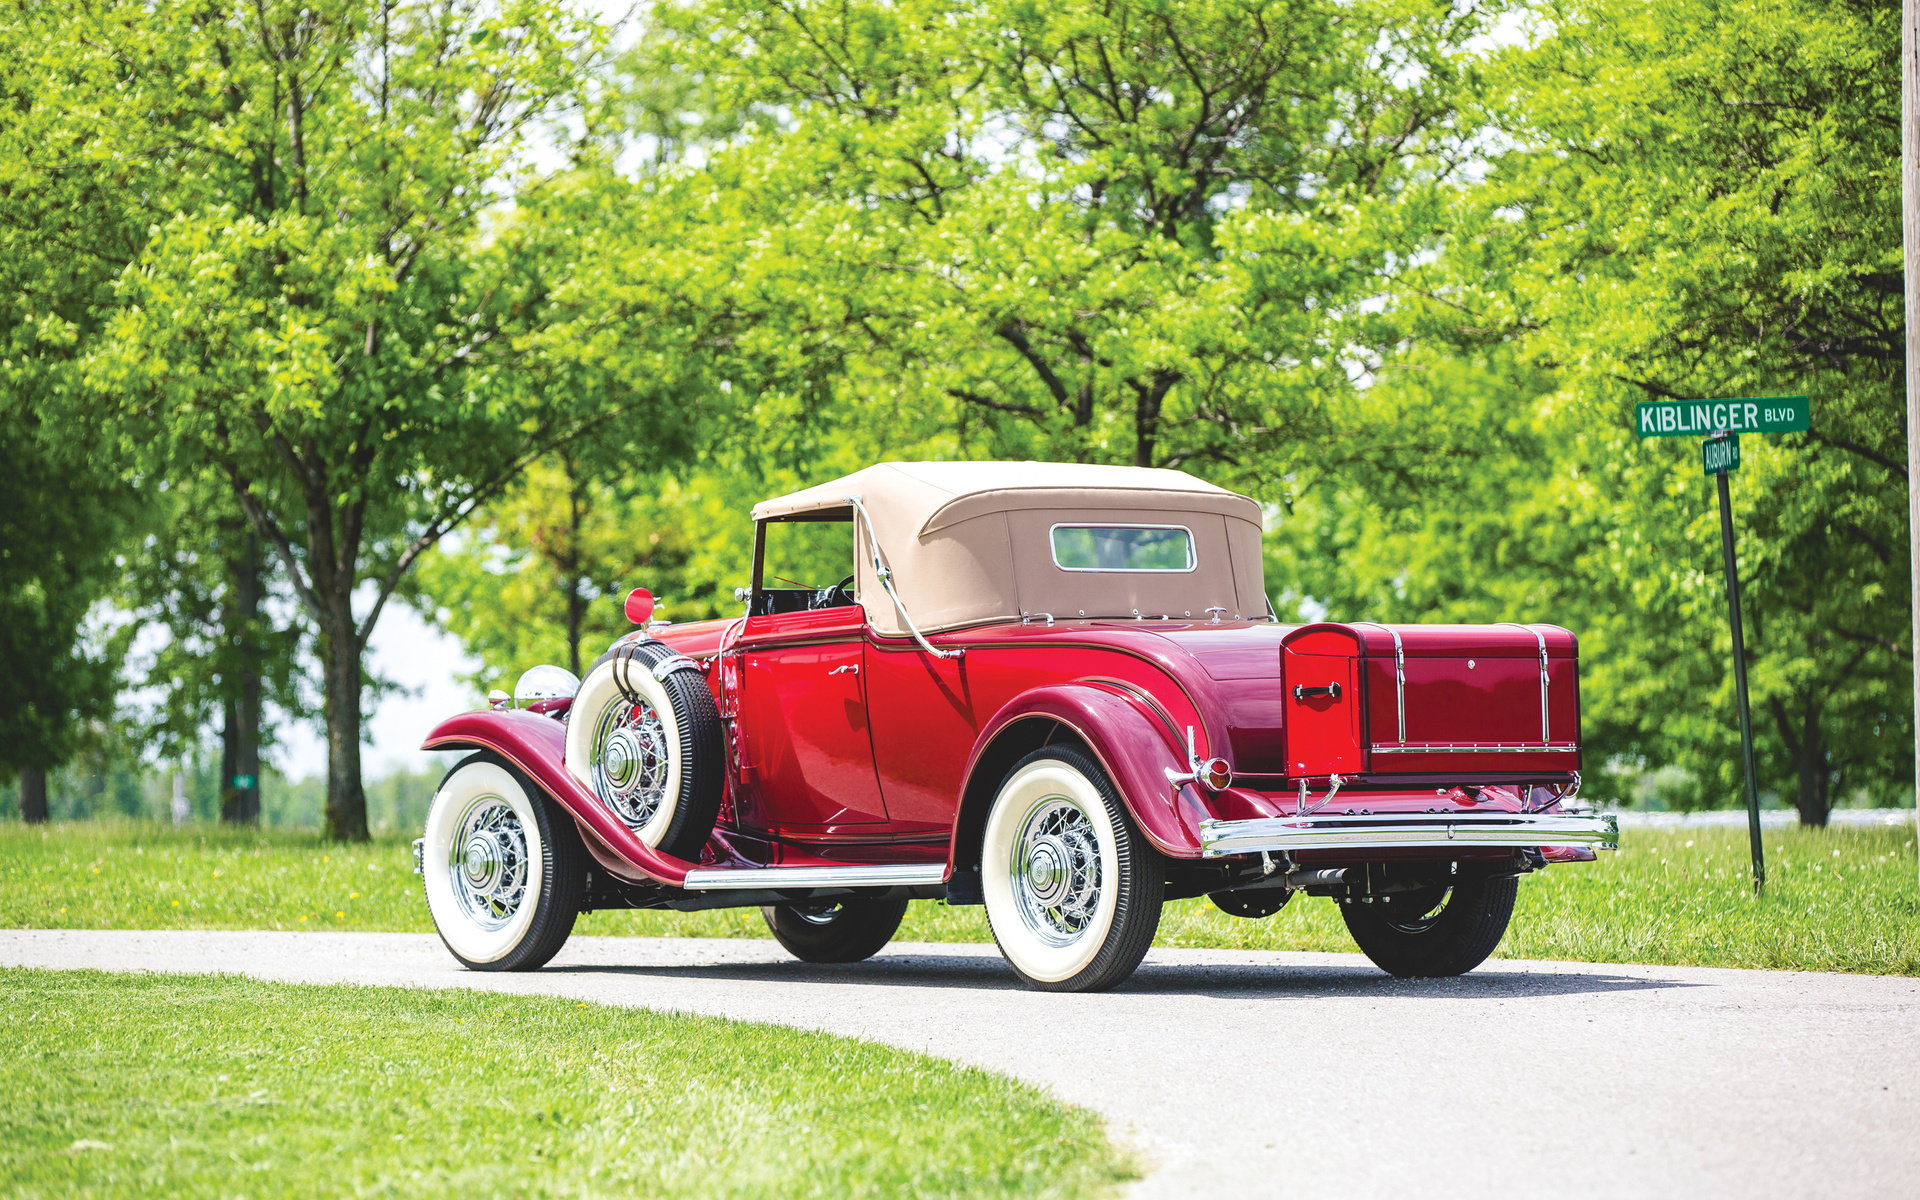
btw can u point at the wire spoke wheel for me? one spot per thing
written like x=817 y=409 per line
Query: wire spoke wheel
x=630 y=761
x=650 y=746
x=1056 y=871
x=502 y=865
x=1072 y=888
x=489 y=863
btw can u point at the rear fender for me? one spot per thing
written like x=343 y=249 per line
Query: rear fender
x=1132 y=743
x=537 y=745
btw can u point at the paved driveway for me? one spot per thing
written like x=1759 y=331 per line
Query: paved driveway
x=1249 y=1073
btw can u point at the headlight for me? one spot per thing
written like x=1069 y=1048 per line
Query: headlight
x=545 y=682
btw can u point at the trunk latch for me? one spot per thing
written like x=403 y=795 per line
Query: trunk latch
x=1331 y=691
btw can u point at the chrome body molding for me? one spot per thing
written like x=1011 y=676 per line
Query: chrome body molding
x=1477 y=748
x=709 y=879
x=1393 y=830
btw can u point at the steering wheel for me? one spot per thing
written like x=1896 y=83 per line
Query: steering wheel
x=840 y=595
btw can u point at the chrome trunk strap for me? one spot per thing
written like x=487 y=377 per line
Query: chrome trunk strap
x=1399 y=674
x=1545 y=734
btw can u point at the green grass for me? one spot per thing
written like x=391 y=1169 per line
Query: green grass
x=123 y=1085
x=1840 y=899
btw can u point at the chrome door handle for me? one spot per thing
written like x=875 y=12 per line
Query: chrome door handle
x=843 y=670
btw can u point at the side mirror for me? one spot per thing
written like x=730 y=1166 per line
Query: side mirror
x=639 y=605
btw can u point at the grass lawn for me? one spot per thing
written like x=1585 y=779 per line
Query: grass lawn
x=123 y=1085
x=1841 y=899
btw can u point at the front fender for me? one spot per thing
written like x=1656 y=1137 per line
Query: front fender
x=537 y=745
x=1131 y=742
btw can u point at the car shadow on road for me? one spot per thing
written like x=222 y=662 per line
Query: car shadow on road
x=1224 y=981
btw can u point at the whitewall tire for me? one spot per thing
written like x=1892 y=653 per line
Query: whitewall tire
x=503 y=867
x=649 y=748
x=1072 y=889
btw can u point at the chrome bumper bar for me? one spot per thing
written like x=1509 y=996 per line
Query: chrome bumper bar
x=1382 y=831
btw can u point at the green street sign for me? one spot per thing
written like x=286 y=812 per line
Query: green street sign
x=1720 y=454
x=1697 y=418
x=244 y=782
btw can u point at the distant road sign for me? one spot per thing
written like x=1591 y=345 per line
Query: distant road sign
x=1720 y=454
x=1698 y=418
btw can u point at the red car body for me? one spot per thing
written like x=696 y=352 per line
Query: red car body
x=861 y=756
x=883 y=765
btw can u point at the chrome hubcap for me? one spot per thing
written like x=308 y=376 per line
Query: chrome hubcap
x=630 y=761
x=1056 y=871
x=489 y=863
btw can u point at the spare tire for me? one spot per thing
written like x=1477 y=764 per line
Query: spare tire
x=647 y=742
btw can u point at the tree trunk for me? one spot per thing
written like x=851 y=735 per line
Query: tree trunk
x=570 y=566
x=240 y=723
x=1810 y=758
x=33 y=795
x=340 y=663
x=1148 y=401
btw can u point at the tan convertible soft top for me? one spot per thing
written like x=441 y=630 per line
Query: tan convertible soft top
x=970 y=542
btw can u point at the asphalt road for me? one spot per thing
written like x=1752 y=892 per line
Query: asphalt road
x=1247 y=1073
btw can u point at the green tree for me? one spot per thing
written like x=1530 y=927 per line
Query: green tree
x=63 y=511
x=1128 y=232
x=1697 y=199
x=203 y=575
x=330 y=301
x=60 y=524
x=542 y=575
x=1118 y=232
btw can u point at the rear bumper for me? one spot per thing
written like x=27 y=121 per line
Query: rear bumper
x=1402 y=830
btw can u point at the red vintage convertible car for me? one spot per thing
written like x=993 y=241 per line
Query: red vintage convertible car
x=1053 y=689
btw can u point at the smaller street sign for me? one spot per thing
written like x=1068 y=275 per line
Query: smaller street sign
x=1697 y=418
x=1720 y=454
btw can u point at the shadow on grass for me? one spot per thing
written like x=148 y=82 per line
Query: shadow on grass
x=1236 y=981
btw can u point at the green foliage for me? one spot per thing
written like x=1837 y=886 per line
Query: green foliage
x=183 y=1086
x=542 y=576
x=1134 y=233
x=203 y=576
x=1695 y=199
x=1397 y=279
x=59 y=523
x=1108 y=232
x=321 y=299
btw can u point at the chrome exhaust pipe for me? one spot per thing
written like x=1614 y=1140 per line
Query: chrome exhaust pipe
x=1323 y=877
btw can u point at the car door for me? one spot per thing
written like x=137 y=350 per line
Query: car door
x=807 y=751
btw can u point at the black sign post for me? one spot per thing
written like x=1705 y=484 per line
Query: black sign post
x=1719 y=455
x=1723 y=421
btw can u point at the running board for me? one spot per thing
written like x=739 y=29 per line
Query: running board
x=707 y=879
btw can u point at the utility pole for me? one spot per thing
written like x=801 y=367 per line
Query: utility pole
x=1910 y=225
